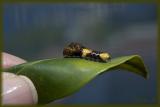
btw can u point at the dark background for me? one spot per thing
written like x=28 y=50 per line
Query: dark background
x=38 y=31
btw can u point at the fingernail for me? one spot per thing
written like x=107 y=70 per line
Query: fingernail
x=18 y=90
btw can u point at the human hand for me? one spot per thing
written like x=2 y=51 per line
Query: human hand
x=16 y=89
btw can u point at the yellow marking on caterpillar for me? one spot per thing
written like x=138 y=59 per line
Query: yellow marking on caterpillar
x=85 y=52
x=104 y=56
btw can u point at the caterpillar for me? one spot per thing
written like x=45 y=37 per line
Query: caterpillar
x=78 y=50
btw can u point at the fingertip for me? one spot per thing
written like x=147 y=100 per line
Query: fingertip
x=18 y=90
x=9 y=60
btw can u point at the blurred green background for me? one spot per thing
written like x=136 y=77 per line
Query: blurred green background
x=38 y=31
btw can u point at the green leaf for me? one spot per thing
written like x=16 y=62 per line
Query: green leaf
x=57 y=78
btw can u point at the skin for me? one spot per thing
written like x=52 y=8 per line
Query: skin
x=16 y=89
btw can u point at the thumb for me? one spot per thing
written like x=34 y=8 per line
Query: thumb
x=17 y=90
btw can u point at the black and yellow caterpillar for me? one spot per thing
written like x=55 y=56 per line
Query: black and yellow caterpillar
x=78 y=50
